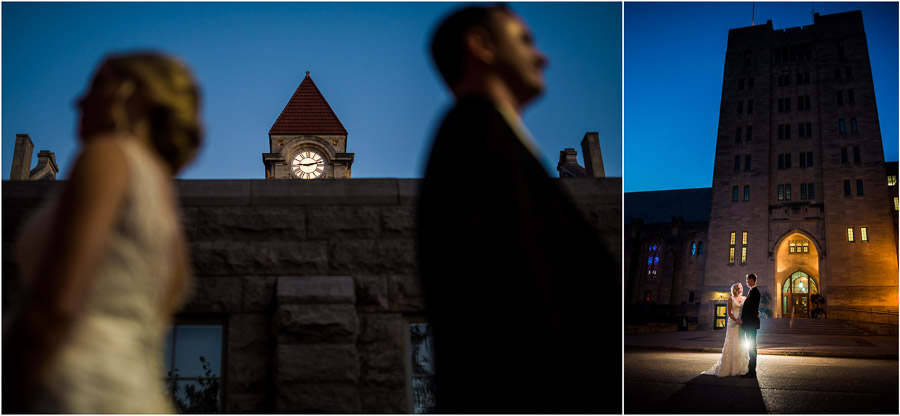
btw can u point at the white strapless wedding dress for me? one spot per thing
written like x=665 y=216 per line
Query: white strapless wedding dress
x=112 y=362
x=734 y=360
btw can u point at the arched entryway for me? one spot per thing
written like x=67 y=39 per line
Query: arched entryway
x=796 y=292
x=796 y=277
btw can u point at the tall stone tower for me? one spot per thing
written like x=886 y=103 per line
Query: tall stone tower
x=307 y=140
x=798 y=193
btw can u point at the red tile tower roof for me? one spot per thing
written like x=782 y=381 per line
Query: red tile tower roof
x=307 y=112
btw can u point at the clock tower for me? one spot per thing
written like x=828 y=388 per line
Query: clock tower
x=307 y=140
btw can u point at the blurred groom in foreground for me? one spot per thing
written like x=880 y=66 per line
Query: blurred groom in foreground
x=519 y=289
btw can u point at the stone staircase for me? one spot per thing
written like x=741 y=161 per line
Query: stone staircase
x=809 y=326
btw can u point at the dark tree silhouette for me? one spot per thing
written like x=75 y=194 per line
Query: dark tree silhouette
x=200 y=398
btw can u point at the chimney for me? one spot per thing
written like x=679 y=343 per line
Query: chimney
x=21 y=164
x=46 y=168
x=567 y=159
x=593 y=158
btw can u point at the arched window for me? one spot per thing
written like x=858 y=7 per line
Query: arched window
x=693 y=248
x=699 y=248
x=652 y=261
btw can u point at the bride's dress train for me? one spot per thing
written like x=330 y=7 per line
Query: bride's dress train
x=734 y=360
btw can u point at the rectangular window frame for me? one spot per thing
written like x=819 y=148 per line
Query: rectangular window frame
x=202 y=320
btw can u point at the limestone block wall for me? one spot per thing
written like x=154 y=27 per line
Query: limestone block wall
x=315 y=282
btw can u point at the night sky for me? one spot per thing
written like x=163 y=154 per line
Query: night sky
x=369 y=60
x=674 y=61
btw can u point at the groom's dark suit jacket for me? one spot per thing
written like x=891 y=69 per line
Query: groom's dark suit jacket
x=750 y=310
x=523 y=298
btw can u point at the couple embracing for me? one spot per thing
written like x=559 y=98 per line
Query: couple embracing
x=739 y=358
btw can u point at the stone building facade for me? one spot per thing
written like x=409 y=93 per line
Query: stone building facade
x=798 y=194
x=313 y=283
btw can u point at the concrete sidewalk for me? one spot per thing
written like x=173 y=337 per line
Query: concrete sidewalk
x=868 y=346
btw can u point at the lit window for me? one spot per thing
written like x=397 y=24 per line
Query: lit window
x=421 y=343
x=850 y=234
x=892 y=180
x=743 y=254
x=863 y=235
x=731 y=255
x=653 y=261
x=798 y=246
x=896 y=204
x=693 y=248
x=194 y=367
x=744 y=237
x=732 y=238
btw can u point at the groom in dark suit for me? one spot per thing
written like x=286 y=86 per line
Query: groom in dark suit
x=750 y=323
x=516 y=281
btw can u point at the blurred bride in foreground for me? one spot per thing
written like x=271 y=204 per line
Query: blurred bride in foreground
x=104 y=260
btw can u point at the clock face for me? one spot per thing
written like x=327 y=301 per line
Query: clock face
x=308 y=164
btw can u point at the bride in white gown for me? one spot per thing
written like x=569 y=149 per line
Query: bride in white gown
x=734 y=360
x=104 y=262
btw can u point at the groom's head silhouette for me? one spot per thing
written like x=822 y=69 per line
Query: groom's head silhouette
x=751 y=277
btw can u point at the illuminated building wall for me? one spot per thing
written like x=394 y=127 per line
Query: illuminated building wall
x=814 y=166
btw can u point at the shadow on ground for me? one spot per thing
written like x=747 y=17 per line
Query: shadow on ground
x=707 y=395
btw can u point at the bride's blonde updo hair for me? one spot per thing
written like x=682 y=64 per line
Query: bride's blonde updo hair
x=173 y=98
x=734 y=289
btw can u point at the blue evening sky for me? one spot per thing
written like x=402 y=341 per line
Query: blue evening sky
x=674 y=58
x=370 y=61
